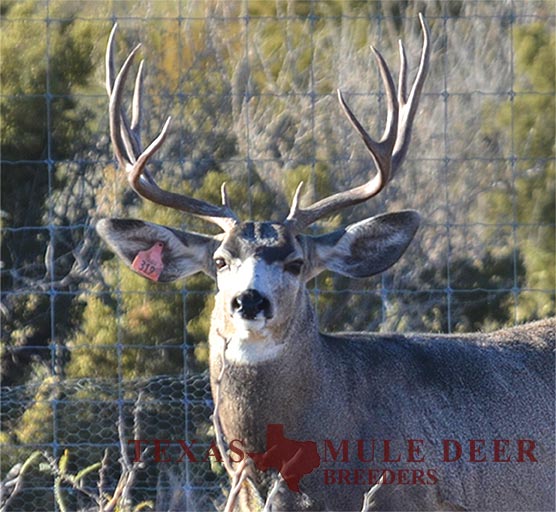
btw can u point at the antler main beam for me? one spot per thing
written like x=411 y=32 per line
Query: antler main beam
x=389 y=151
x=126 y=140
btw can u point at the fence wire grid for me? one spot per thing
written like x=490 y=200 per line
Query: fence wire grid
x=94 y=356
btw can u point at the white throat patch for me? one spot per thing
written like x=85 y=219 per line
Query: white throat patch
x=246 y=351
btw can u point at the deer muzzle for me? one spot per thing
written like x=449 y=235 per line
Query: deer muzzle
x=249 y=305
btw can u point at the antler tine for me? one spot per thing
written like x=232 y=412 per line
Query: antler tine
x=110 y=80
x=381 y=152
x=402 y=79
x=109 y=60
x=389 y=151
x=126 y=152
x=136 y=110
x=408 y=107
x=126 y=139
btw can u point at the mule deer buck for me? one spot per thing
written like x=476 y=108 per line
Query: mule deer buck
x=453 y=422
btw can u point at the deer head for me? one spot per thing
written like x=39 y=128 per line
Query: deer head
x=261 y=267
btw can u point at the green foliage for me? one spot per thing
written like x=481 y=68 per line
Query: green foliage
x=43 y=67
x=57 y=62
x=31 y=428
x=533 y=131
x=133 y=335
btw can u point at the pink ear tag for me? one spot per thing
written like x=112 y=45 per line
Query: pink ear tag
x=148 y=263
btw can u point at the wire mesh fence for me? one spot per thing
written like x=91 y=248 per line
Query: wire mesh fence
x=93 y=356
x=95 y=419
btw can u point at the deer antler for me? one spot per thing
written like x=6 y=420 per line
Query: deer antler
x=126 y=139
x=387 y=153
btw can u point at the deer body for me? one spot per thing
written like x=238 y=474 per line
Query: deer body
x=269 y=364
x=397 y=387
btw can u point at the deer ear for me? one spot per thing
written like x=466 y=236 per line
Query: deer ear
x=179 y=253
x=365 y=248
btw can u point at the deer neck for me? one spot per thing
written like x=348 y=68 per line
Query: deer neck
x=277 y=388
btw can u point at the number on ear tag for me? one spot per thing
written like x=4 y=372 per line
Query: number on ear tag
x=149 y=263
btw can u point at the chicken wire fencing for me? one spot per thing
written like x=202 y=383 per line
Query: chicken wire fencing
x=95 y=357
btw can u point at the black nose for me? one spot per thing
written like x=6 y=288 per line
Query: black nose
x=249 y=304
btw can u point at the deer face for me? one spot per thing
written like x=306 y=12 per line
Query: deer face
x=259 y=275
x=261 y=267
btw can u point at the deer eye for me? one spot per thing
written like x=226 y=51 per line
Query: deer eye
x=220 y=263
x=294 y=267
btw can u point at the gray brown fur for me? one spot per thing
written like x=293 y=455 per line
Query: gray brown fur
x=431 y=387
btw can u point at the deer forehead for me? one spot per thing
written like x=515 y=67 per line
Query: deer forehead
x=269 y=241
